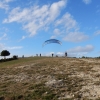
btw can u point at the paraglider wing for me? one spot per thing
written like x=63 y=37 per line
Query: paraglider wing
x=52 y=41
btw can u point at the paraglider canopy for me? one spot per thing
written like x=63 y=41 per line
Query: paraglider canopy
x=52 y=41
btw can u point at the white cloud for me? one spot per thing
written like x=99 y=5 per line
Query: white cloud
x=23 y=37
x=80 y=51
x=48 y=54
x=17 y=15
x=68 y=22
x=1 y=46
x=53 y=37
x=4 y=47
x=87 y=1
x=97 y=32
x=14 y=48
x=69 y=29
x=60 y=53
x=7 y=1
x=55 y=53
x=3 y=37
x=55 y=9
x=75 y=37
x=4 y=4
x=36 y=18
x=56 y=33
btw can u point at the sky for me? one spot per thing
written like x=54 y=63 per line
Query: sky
x=26 y=24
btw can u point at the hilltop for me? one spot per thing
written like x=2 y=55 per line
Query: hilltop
x=47 y=78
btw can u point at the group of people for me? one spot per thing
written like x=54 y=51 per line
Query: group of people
x=53 y=54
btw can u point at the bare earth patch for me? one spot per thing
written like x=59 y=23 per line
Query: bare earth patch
x=51 y=79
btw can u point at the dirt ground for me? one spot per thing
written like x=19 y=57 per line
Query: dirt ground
x=52 y=79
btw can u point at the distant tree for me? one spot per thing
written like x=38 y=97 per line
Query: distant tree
x=15 y=57
x=5 y=53
x=98 y=57
x=83 y=56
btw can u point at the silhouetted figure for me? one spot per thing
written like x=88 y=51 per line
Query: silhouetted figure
x=65 y=54
x=52 y=54
x=22 y=56
x=40 y=54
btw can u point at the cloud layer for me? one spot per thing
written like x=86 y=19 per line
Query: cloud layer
x=70 y=29
x=4 y=47
x=80 y=51
x=97 y=32
x=87 y=1
x=3 y=37
x=76 y=37
x=42 y=18
x=4 y=4
x=36 y=18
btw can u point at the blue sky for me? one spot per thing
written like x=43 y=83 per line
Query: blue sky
x=26 y=24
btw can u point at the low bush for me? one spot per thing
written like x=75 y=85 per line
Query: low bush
x=9 y=59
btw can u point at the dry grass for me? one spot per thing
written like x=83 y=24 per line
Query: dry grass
x=50 y=79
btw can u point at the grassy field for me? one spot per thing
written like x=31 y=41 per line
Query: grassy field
x=47 y=78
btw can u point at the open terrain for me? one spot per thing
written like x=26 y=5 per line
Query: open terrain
x=47 y=78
